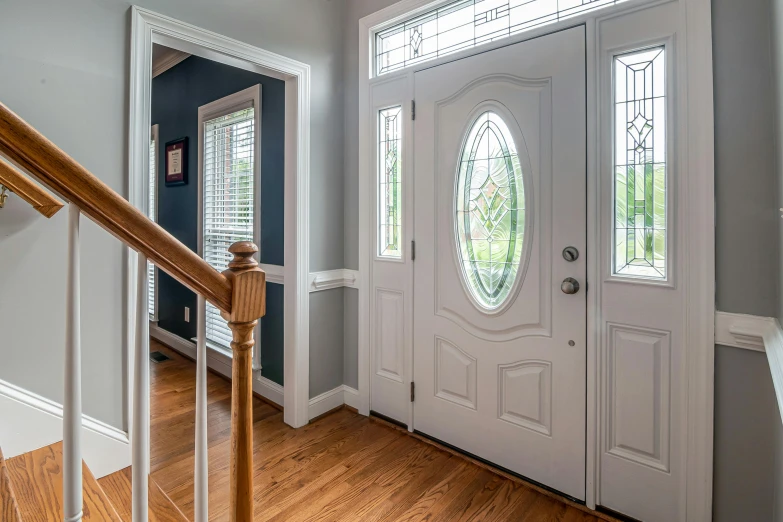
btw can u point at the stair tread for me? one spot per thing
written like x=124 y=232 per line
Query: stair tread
x=9 y=511
x=161 y=508
x=37 y=480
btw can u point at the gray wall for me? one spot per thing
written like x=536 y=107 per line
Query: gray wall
x=65 y=69
x=746 y=420
x=748 y=262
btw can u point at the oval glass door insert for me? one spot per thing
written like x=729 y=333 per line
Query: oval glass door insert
x=490 y=211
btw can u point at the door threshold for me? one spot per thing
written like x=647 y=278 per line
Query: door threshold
x=498 y=470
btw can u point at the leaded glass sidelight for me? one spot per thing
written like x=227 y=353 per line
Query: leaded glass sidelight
x=490 y=211
x=390 y=182
x=640 y=164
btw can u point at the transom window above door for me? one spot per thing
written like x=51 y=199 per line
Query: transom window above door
x=462 y=24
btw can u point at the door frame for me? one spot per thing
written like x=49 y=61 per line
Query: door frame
x=696 y=87
x=148 y=27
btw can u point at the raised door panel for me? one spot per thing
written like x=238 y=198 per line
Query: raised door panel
x=638 y=395
x=525 y=395
x=455 y=374
x=389 y=328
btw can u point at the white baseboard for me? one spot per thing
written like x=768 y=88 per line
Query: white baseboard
x=351 y=397
x=332 y=399
x=29 y=422
x=218 y=362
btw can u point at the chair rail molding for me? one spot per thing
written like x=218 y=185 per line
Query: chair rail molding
x=148 y=27
x=761 y=334
x=38 y=422
x=329 y=279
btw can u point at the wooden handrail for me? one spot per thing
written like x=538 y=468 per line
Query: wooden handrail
x=37 y=197
x=239 y=292
x=29 y=149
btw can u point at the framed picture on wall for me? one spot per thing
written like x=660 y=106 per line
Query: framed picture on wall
x=177 y=162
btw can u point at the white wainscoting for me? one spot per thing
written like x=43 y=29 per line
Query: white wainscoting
x=218 y=362
x=29 y=421
x=751 y=332
x=332 y=399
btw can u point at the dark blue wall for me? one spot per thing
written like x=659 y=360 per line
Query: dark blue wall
x=176 y=96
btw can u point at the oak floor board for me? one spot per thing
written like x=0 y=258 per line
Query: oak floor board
x=340 y=468
x=37 y=480
x=118 y=488
x=9 y=510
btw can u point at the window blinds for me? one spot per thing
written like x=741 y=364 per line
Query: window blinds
x=228 y=198
x=152 y=215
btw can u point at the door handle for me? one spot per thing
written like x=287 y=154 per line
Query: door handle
x=569 y=286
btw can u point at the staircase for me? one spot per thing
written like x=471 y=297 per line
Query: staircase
x=31 y=489
x=53 y=483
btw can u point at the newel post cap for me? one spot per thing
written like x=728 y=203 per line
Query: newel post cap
x=243 y=255
x=248 y=281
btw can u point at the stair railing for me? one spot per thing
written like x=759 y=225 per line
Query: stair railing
x=239 y=293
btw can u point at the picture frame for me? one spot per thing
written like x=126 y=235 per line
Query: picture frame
x=176 y=162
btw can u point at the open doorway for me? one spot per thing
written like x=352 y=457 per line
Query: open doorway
x=196 y=69
x=216 y=177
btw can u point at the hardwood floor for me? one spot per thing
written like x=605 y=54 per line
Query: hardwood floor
x=37 y=482
x=343 y=467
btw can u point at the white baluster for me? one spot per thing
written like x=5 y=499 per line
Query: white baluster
x=201 y=485
x=140 y=437
x=72 y=407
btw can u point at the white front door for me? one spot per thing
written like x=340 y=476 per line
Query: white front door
x=500 y=192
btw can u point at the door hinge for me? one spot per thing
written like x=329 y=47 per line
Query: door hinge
x=413 y=250
x=413 y=109
x=413 y=391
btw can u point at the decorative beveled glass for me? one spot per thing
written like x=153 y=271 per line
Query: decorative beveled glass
x=640 y=170
x=490 y=211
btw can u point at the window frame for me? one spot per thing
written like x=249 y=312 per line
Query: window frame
x=244 y=99
x=155 y=182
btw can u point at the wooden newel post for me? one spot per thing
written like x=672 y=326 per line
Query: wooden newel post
x=248 y=304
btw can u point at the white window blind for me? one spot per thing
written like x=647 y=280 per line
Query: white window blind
x=228 y=198
x=153 y=216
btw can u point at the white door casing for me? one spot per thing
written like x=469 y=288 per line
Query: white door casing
x=505 y=384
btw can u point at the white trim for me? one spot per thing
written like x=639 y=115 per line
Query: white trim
x=751 y=332
x=332 y=399
x=699 y=283
x=325 y=402
x=329 y=279
x=351 y=396
x=219 y=362
x=32 y=422
x=146 y=27
x=773 y=343
x=742 y=331
x=173 y=57
x=274 y=273
x=316 y=281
